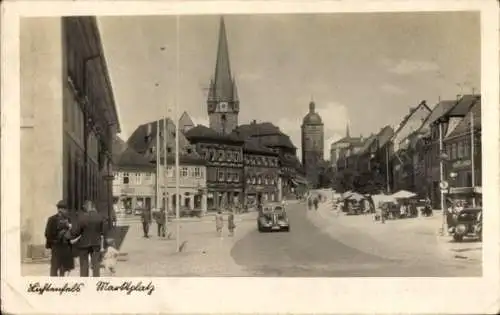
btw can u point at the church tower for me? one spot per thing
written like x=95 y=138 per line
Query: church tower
x=223 y=104
x=312 y=144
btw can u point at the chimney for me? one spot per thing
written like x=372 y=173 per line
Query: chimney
x=361 y=138
x=254 y=122
x=459 y=96
x=148 y=132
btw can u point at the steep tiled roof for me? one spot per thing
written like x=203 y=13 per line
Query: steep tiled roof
x=463 y=106
x=253 y=145
x=201 y=132
x=357 y=141
x=410 y=123
x=269 y=134
x=465 y=124
x=144 y=137
x=260 y=129
x=131 y=159
x=185 y=122
x=367 y=143
x=118 y=147
x=438 y=111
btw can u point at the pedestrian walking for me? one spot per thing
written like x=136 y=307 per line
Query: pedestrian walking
x=219 y=223
x=316 y=203
x=58 y=240
x=146 y=221
x=92 y=230
x=309 y=203
x=231 y=226
x=161 y=221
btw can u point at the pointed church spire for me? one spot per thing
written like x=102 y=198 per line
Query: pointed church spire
x=211 y=90
x=347 y=130
x=235 y=91
x=223 y=82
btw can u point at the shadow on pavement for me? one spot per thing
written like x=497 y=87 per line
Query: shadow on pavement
x=118 y=234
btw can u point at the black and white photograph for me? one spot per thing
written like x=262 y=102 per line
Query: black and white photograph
x=271 y=145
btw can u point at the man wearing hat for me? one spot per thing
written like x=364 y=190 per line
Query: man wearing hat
x=57 y=224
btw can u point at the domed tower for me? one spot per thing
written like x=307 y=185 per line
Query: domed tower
x=312 y=144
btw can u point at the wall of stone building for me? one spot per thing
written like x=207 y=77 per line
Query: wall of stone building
x=42 y=95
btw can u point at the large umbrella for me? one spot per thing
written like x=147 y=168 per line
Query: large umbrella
x=404 y=194
x=356 y=196
x=378 y=199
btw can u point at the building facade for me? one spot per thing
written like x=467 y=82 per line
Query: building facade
x=223 y=155
x=69 y=126
x=161 y=134
x=261 y=172
x=312 y=132
x=463 y=148
x=443 y=120
x=291 y=180
x=134 y=183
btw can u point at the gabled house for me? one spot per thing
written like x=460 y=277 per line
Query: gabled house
x=445 y=117
x=463 y=148
x=380 y=151
x=403 y=141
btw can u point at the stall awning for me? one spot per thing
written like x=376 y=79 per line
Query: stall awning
x=298 y=181
x=466 y=190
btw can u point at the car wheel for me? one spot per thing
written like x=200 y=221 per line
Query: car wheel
x=458 y=238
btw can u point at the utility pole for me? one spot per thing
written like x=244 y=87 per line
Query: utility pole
x=441 y=177
x=177 y=107
x=157 y=152
x=165 y=163
x=472 y=158
x=387 y=168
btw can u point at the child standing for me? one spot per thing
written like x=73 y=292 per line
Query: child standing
x=110 y=257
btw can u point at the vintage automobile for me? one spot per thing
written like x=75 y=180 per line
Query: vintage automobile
x=273 y=218
x=466 y=223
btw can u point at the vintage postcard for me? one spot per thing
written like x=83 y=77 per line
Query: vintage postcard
x=250 y=157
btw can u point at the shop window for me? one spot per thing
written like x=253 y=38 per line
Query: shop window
x=184 y=172
x=197 y=172
x=126 y=178
x=220 y=175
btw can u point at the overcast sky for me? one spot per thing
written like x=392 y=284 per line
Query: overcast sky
x=367 y=69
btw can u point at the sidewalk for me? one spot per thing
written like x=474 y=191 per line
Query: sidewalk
x=414 y=238
x=203 y=254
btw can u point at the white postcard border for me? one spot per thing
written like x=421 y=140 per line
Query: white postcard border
x=241 y=295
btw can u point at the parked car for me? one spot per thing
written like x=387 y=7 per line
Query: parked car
x=273 y=218
x=466 y=223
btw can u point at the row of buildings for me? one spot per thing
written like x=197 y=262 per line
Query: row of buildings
x=408 y=156
x=223 y=164
x=68 y=122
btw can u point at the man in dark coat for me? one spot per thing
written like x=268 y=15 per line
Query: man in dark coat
x=146 y=221
x=91 y=228
x=161 y=221
x=55 y=240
